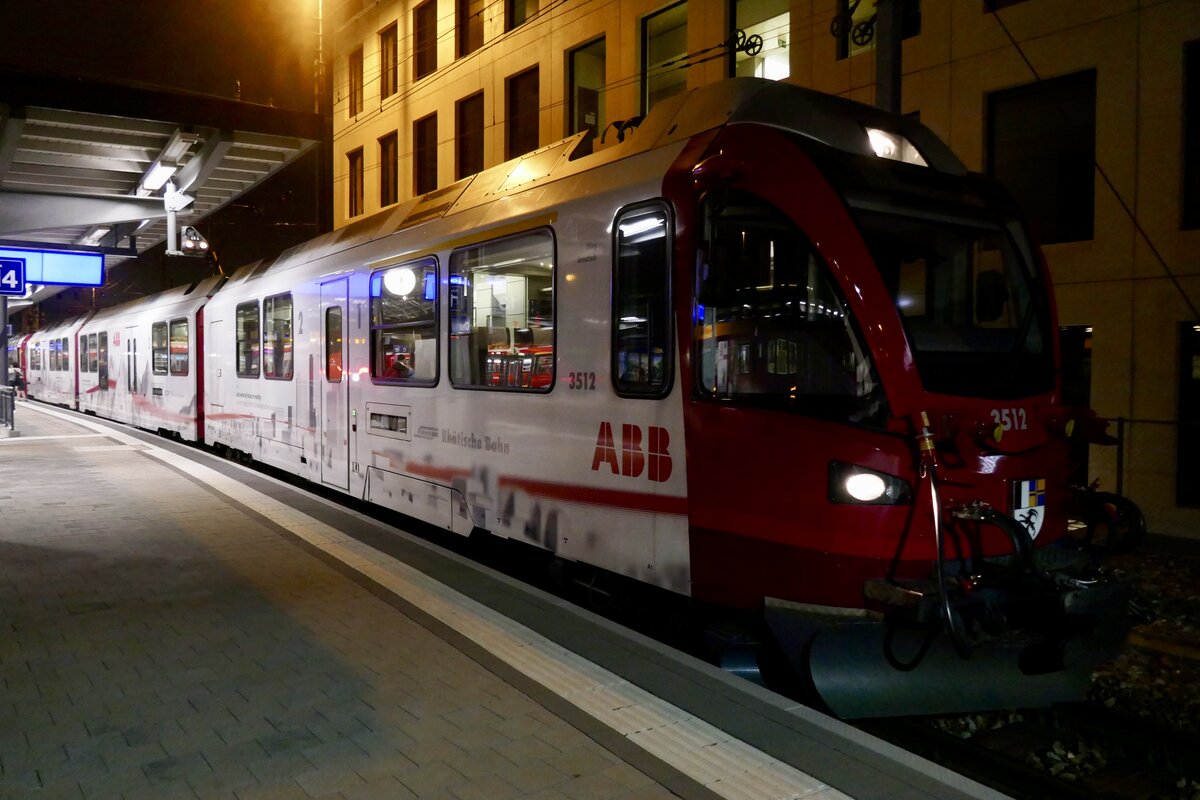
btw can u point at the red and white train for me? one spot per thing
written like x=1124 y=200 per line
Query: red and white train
x=776 y=351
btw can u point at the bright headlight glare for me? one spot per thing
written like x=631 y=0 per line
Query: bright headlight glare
x=865 y=486
x=851 y=484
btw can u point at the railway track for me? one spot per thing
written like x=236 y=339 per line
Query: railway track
x=1071 y=751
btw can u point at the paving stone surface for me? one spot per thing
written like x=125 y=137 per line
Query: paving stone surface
x=158 y=642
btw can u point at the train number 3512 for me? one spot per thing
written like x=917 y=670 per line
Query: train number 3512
x=585 y=381
x=1011 y=419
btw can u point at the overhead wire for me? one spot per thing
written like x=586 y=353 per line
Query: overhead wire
x=1108 y=182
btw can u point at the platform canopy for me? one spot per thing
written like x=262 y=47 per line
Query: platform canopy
x=82 y=163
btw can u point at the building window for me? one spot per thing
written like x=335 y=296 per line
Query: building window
x=502 y=314
x=664 y=47
x=388 y=60
x=855 y=26
x=404 y=345
x=1041 y=144
x=761 y=28
x=248 y=344
x=356 y=83
x=277 y=337
x=424 y=39
x=354 y=183
x=521 y=124
x=425 y=154
x=179 y=346
x=468 y=136
x=585 y=95
x=1187 y=451
x=516 y=12
x=641 y=354
x=388 y=169
x=468 y=27
x=1191 y=136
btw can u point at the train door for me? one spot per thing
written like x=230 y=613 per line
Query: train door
x=131 y=375
x=335 y=387
x=214 y=385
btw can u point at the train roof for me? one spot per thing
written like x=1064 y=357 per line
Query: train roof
x=822 y=119
x=199 y=290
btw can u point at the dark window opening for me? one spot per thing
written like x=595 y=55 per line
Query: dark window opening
x=1041 y=145
x=388 y=62
x=354 y=183
x=1187 y=450
x=425 y=39
x=389 y=165
x=469 y=26
x=356 y=83
x=425 y=168
x=468 y=137
x=586 y=93
x=522 y=118
x=1191 y=136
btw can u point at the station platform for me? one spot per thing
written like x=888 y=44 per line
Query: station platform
x=175 y=625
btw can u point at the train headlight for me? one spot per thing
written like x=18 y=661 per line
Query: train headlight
x=850 y=483
x=894 y=146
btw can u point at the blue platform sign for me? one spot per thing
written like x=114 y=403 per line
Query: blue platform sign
x=58 y=267
x=12 y=276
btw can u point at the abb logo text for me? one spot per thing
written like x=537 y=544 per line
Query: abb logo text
x=631 y=459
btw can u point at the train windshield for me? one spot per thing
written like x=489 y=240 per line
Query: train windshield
x=975 y=317
x=770 y=325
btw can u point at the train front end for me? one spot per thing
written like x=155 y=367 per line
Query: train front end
x=878 y=452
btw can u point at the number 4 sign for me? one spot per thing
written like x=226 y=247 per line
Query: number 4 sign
x=12 y=276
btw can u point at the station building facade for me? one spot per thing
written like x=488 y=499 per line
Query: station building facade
x=1088 y=112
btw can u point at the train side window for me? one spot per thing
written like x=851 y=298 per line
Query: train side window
x=770 y=324
x=64 y=358
x=277 y=337
x=35 y=358
x=333 y=344
x=404 y=345
x=502 y=314
x=641 y=353
x=93 y=358
x=248 y=342
x=158 y=347
x=83 y=360
x=179 y=346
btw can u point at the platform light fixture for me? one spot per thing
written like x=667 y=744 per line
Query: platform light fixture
x=156 y=177
x=167 y=163
x=93 y=237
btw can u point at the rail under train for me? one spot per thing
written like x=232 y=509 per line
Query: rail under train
x=775 y=351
